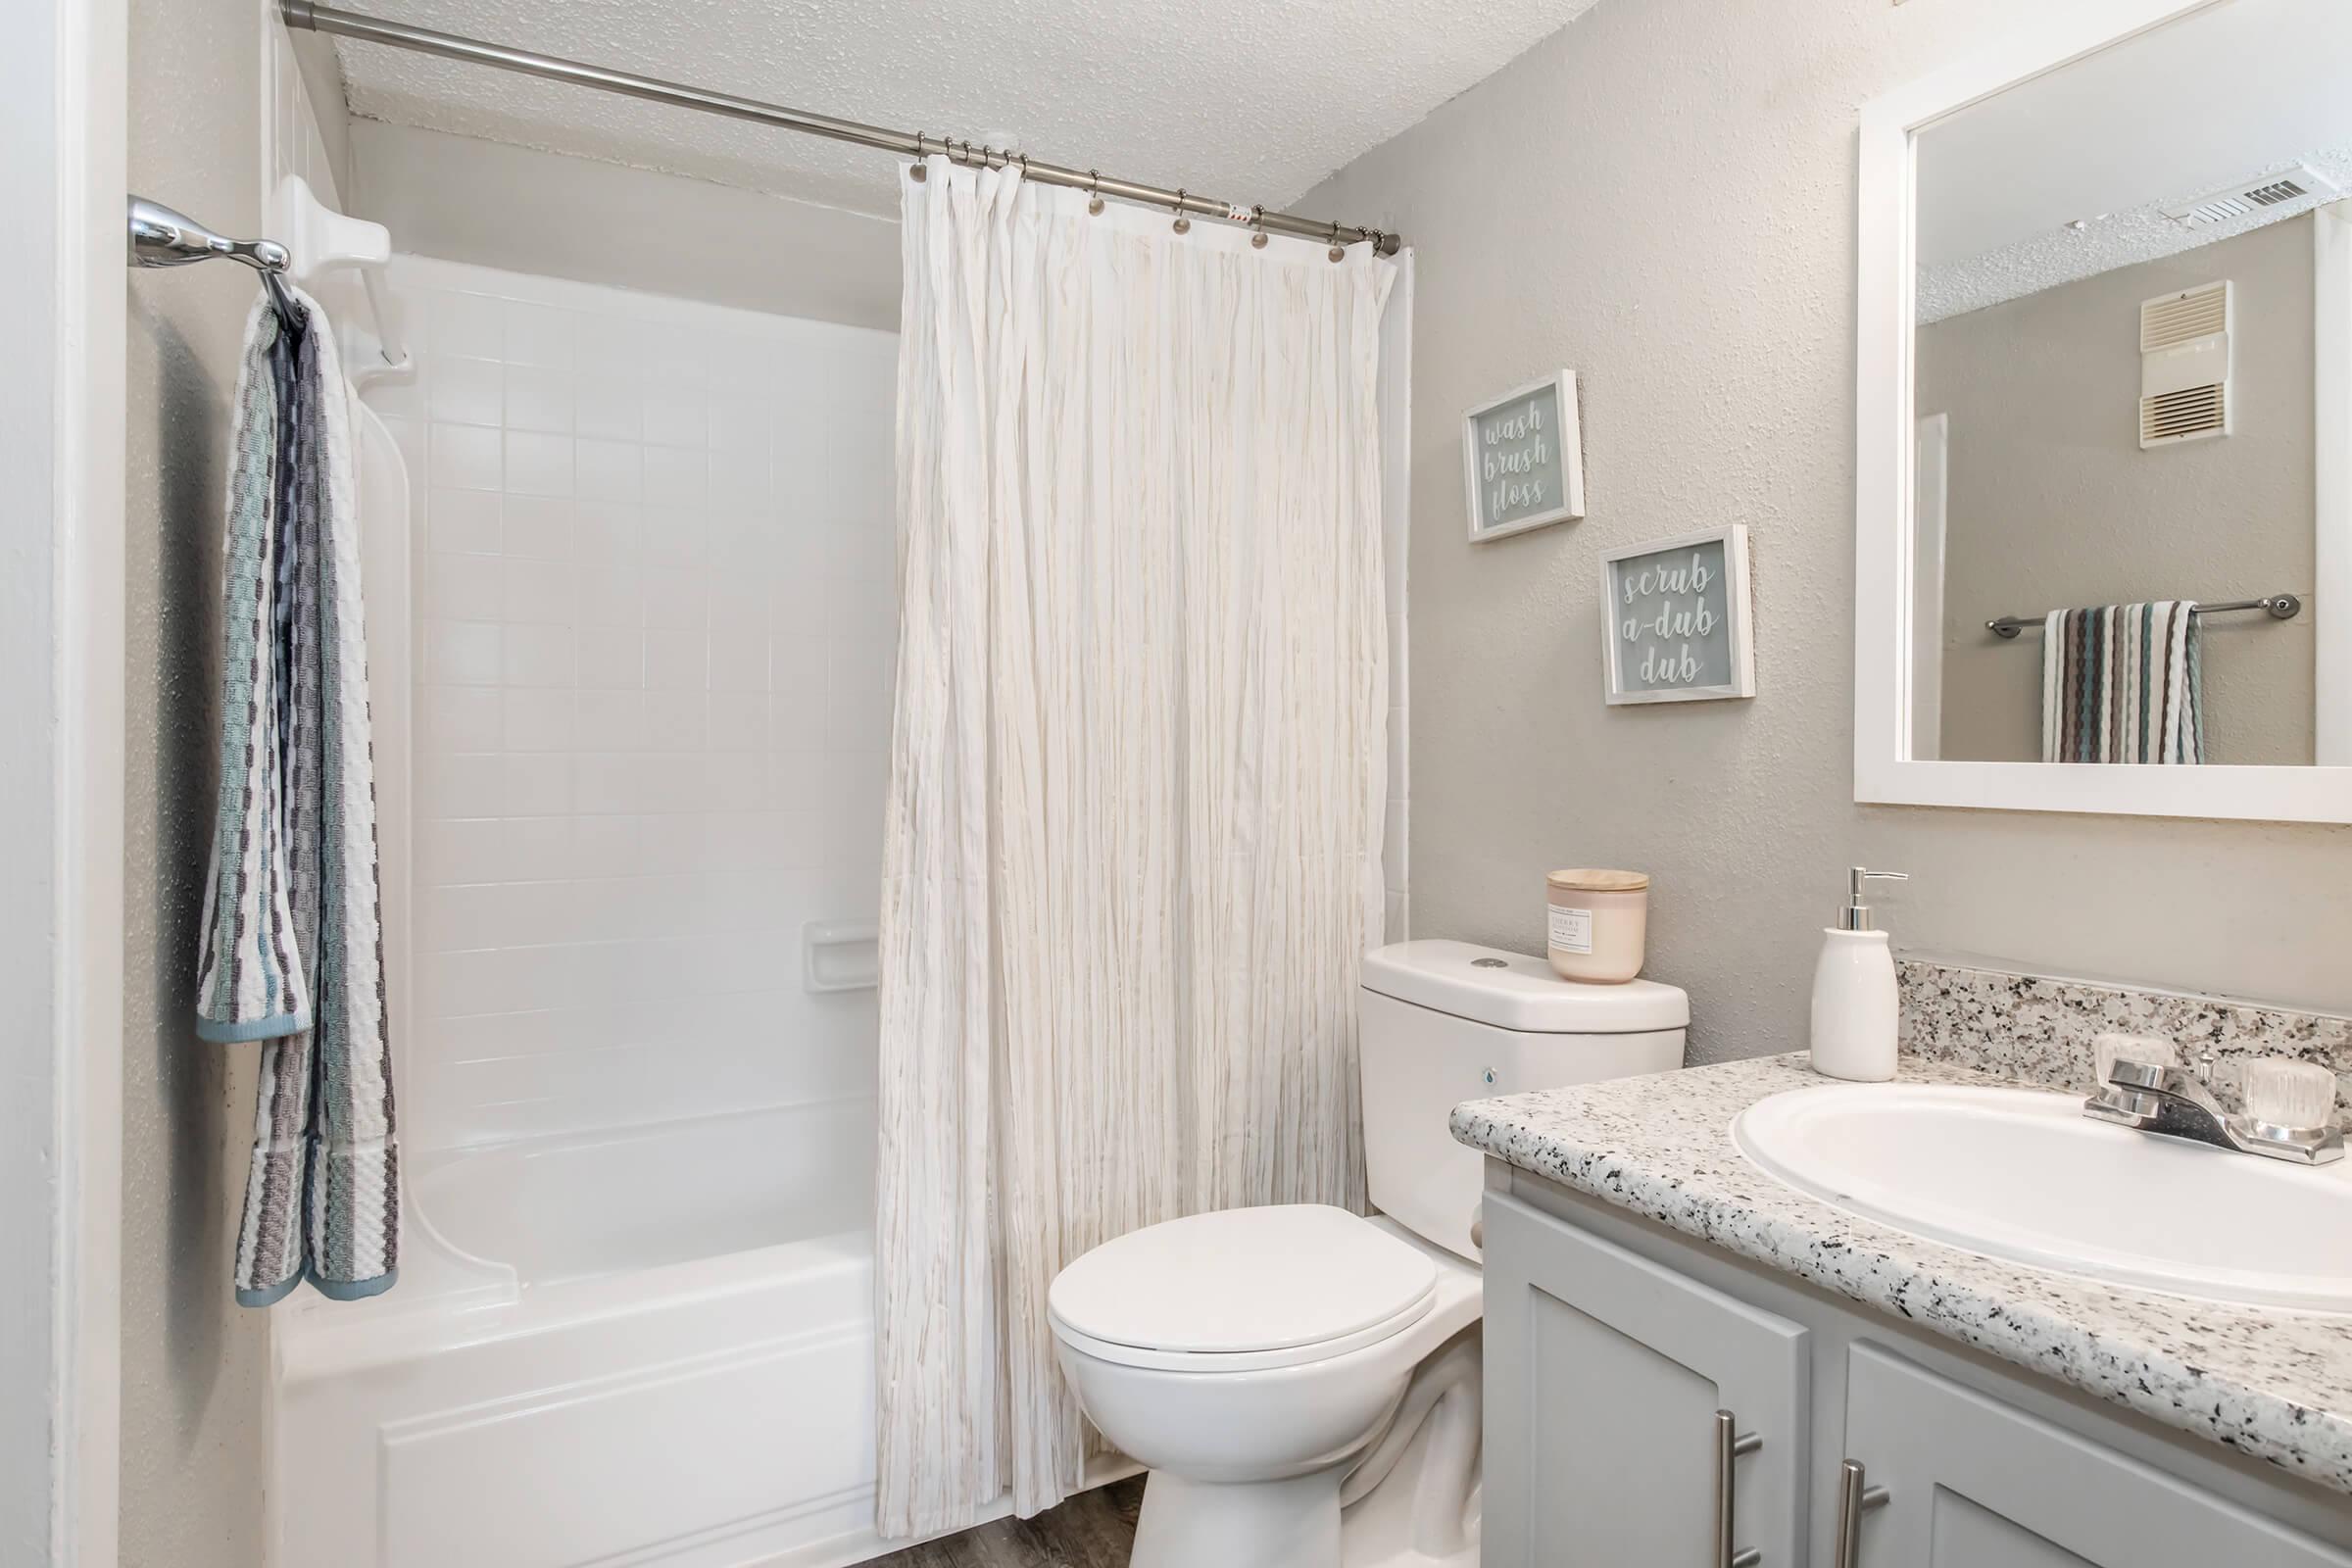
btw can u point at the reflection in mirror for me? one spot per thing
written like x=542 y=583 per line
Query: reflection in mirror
x=2116 y=365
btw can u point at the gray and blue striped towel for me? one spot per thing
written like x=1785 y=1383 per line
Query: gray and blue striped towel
x=2123 y=683
x=291 y=953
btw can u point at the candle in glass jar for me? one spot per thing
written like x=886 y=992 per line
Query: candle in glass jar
x=1599 y=922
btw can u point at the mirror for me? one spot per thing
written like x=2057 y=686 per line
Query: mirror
x=2113 y=374
x=2123 y=391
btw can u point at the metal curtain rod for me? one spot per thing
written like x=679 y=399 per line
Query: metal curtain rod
x=2279 y=607
x=907 y=144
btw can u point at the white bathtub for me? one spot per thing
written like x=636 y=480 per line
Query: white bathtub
x=632 y=1347
x=637 y=1198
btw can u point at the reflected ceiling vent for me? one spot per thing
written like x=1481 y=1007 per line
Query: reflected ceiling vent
x=2185 y=365
x=2249 y=196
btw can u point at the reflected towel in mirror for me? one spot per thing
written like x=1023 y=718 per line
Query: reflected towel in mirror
x=2123 y=683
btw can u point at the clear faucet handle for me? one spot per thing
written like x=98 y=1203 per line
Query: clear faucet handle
x=2296 y=1095
x=2147 y=1049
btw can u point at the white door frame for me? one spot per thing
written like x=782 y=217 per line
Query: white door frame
x=1932 y=485
x=2332 y=586
x=62 y=138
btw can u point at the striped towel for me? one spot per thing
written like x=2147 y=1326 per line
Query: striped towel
x=2123 y=683
x=291 y=953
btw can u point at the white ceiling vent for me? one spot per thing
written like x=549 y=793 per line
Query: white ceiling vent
x=2252 y=195
x=2185 y=365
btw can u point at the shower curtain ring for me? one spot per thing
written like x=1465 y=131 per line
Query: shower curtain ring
x=1337 y=252
x=1094 y=190
x=919 y=173
x=1258 y=226
x=1183 y=225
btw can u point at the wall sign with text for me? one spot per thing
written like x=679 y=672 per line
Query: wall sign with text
x=1523 y=456
x=1675 y=616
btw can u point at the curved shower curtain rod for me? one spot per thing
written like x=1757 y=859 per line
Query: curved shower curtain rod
x=907 y=144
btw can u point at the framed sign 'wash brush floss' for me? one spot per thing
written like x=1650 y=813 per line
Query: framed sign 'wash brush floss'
x=1523 y=459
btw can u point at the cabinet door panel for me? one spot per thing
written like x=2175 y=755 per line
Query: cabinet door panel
x=1973 y=1482
x=1604 y=1374
x=1966 y=1531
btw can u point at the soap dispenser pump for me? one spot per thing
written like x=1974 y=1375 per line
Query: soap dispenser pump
x=1854 y=991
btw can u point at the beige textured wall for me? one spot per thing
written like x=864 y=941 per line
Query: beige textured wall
x=2052 y=504
x=194 y=1364
x=1661 y=197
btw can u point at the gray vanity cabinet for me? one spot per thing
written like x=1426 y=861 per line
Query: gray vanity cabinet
x=1605 y=1374
x=1974 y=1483
x=1611 y=1345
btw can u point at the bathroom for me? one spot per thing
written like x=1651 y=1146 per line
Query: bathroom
x=825 y=1134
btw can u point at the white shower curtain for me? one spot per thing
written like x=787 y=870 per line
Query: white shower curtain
x=1138 y=777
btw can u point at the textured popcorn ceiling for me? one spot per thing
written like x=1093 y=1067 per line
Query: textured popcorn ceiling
x=1239 y=100
x=2104 y=243
x=2112 y=139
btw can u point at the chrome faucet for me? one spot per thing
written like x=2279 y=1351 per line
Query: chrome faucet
x=2177 y=1102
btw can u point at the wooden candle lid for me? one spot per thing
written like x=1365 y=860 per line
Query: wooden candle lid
x=1596 y=881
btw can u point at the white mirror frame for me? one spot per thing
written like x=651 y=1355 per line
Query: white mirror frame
x=1884 y=770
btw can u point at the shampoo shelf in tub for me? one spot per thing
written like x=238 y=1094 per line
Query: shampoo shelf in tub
x=841 y=954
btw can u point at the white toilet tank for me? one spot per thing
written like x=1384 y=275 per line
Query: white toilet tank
x=1448 y=1021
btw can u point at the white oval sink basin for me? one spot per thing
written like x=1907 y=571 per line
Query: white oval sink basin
x=2024 y=1175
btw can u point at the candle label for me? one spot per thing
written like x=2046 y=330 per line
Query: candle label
x=1571 y=930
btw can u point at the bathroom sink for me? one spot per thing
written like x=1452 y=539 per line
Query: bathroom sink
x=2024 y=1175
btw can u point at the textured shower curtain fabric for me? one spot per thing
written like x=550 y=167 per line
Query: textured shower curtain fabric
x=1138 y=781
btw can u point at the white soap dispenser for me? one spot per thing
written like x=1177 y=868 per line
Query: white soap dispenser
x=1853 y=991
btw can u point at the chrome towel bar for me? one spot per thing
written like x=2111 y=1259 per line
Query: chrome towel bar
x=2279 y=607
x=160 y=236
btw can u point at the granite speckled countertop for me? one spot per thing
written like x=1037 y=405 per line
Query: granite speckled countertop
x=2272 y=1383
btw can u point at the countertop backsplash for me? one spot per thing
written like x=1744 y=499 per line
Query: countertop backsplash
x=2037 y=1030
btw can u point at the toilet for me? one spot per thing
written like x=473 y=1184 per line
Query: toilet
x=1302 y=1381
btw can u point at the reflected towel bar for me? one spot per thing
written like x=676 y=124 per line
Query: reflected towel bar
x=2279 y=607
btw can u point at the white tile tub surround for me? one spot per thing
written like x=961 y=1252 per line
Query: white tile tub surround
x=655 y=621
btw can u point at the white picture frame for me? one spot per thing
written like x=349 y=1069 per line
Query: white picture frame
x=1569 y=466
x=1886 y=771
x=1623 y=601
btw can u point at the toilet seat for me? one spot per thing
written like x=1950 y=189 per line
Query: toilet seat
x=1212 y=1362
x=1242 y=1289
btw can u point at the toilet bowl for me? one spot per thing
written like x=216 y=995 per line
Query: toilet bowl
x=1303 y=1383
x=1276 y=1344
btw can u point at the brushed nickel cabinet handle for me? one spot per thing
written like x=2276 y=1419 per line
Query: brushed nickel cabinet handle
x=1855 y=1497
x=1730 y=1443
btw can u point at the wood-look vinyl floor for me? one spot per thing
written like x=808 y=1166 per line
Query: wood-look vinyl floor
x=1093 y=1529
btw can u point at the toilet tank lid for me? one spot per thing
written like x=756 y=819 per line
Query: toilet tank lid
x=1519 y=992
